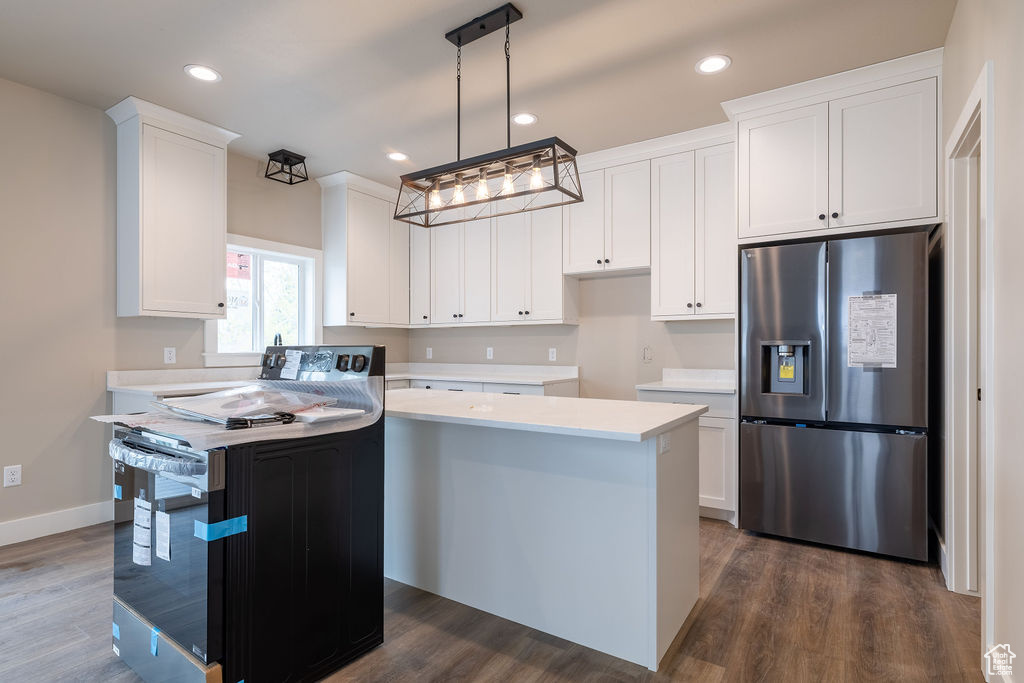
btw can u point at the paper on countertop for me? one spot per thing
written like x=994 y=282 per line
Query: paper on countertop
x=142 y=536
x=163 y=535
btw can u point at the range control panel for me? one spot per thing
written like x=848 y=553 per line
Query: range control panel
x=321 y=363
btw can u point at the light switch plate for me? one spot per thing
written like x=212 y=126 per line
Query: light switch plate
x=552 y=354
x=490 y=353
x=430 y=353
x=12 y=475
x=170 y=355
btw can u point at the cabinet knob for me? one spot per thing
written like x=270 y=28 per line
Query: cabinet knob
x=835 y=214
x=220 y=305
x=424 y=317
x=460 y=315
x=607 y=260
x=821 y=216
x=599 y=261
x=699 y=305
x=520 y=312
x=352 y=314
x=689 y=305
x=455 y=315
x=527 y=313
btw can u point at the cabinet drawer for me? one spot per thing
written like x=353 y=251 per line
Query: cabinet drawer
x=530 y=389
x=719 y=405
x=446 y=385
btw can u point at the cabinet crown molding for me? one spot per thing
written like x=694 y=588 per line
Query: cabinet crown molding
x=358 y=182
x=708 y=136
x=883 y=74
x=148 y=112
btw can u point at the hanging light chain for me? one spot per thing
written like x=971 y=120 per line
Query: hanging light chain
x=458 y=103
x=508 y=88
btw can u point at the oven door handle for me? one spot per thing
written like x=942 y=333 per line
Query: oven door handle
x=155 y=462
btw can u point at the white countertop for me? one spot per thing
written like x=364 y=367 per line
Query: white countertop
x=600 y=418
x=538 y=375
x=693 y=381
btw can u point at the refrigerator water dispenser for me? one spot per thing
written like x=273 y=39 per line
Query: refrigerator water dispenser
x=785 y=362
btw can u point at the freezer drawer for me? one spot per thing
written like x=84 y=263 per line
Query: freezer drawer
x=878 y=298
x=860 y=490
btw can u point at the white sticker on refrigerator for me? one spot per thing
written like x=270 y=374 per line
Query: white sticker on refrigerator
x=163 y=535
x=872 y=332
x=292 y=360
x=143 y=533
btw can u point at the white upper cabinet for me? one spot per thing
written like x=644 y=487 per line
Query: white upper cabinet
x=419 y=276
x=715 y=240
x=460 y=266
x=527 y=285
x=882 y=155
x=627 y=215
x=611 y=229
x=783 y=172
x=693 y=234
x=849 y=152
x=583 y=230
x=366 y=254
x=171 y=212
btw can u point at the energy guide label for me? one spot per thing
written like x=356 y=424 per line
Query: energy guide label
x=872 y=332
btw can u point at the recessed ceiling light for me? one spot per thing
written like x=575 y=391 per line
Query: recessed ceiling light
x=202 y=73
x=713 y=64
x=397 y=156
x=524 y=118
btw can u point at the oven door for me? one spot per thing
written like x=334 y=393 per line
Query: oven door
x=161 y=569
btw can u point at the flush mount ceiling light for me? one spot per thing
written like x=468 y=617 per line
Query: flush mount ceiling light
x=202 y=73
x=286 y=167
x=398 y=156
x=524 y=119
x=526 y=177
x=713 y=64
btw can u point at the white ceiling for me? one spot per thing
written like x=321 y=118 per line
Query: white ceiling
x=344 y=82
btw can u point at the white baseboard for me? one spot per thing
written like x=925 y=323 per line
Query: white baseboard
x=716 y=513
x=37 y=526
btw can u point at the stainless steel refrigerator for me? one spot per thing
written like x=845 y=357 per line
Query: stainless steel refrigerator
x=833 y=392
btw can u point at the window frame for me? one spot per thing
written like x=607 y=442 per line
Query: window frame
x=311 y=271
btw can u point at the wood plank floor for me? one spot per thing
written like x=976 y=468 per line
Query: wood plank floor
x=769 y=610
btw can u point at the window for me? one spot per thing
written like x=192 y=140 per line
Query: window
x=271 y=298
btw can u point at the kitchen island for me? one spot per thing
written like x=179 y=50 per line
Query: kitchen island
x=577 y=517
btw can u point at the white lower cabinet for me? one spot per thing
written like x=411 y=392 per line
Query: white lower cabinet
x=446 y=385
x=516 y=389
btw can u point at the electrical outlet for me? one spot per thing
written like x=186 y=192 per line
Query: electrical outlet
x=430 y=353
x=646 y=354
x=490 y=353
x=12 y=475
x=664 y=443
x=170 y=355
x=552 y=354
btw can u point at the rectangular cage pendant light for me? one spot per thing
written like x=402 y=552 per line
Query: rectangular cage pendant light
x=527 y=177
x=536 y=175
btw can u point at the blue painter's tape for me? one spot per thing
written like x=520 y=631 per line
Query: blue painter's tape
x=117 y=492
x=154 y=640
x=117 y=631
x=229 y=527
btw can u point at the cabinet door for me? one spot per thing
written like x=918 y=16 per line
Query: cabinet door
x=882 y=155
x=445 y=273
x=627 y=216
x=398 y=273
x=419 y=276
x=368 y=225
x=476 y=269
x=715 y=271
x=672 y=236
x=717 y=456
x=510 y=266
x=583 y=231
x=783 y=172
x=184 y=228
x=545 y=265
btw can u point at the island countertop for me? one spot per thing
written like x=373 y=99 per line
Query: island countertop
x=598 y=418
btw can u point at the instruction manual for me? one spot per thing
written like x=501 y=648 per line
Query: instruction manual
x=872 y=331
x=142 y=537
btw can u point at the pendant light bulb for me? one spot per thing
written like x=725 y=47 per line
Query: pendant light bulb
x=507 y=186
x=458 y=196
x=536 y=179
x=435 y=196
x=482 y=192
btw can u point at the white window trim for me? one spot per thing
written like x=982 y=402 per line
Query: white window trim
x=314 y=286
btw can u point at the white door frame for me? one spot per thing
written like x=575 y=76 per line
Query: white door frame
x=969 y=479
